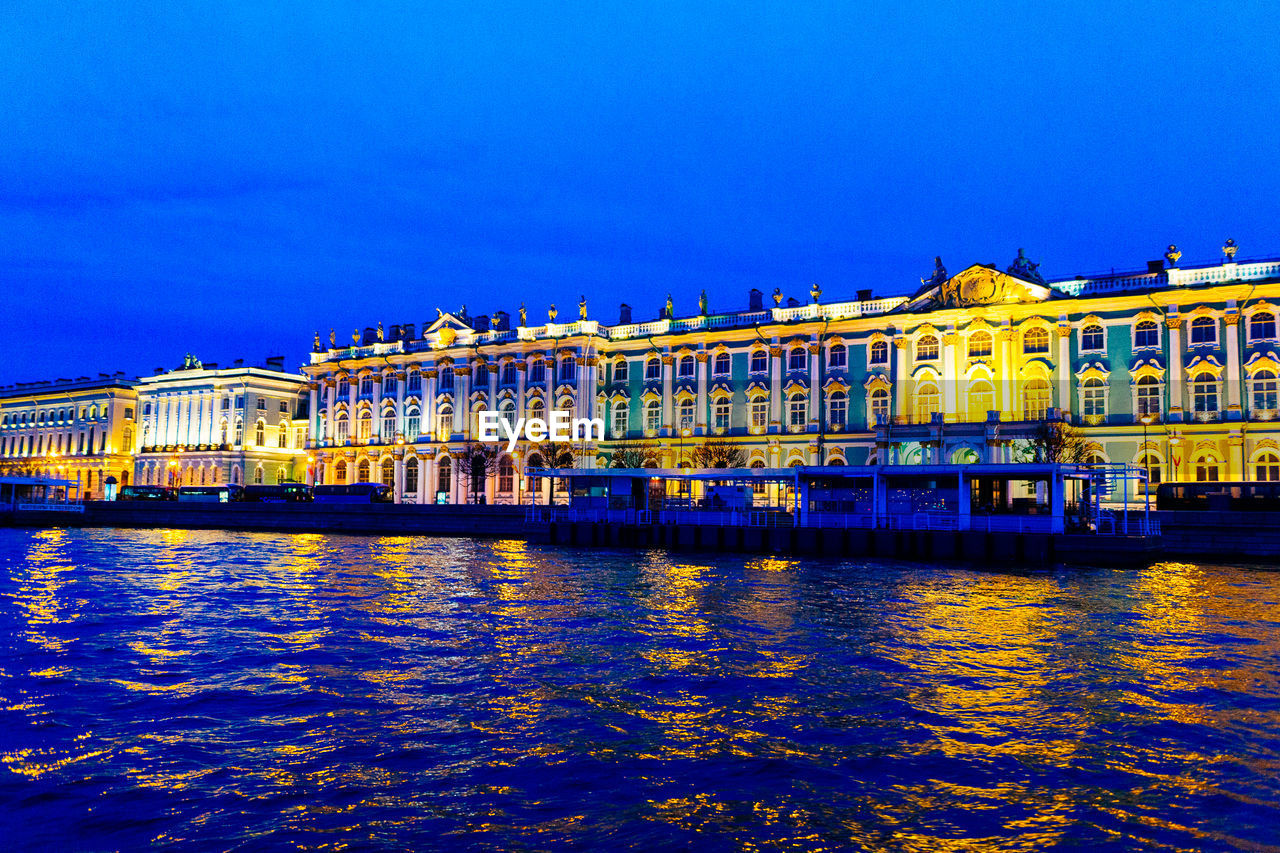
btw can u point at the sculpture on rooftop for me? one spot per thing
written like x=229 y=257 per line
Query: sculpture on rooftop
x=1024 y=267
x=582 y=307
x=524 y=315
x=702 y=303
x=777 y=297
x=671 y=307
x=380 y=332
x=1229 y=249
x=315 y=345
x=1172 y=254
x=552 y=312
x=939 y=274
x=815 y=292
x=355 y=337
x=333 y=338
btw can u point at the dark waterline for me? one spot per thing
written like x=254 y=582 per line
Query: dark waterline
x=218 y=690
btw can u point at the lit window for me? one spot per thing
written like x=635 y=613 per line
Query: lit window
x=620 y=370
x=1204 y=395
x=619 y=419
x=506 y=475
x=879 y=408
x=1264 y=391
x=412 y=423
x=1035 y=341
x=838 y=408
x=686 y=414
x=1091 y=338
x=720 y=412
x=388 y=425
x=927 y=348
x=759 y=414
x=926 y=401
x=1266 y=468
x=1146 y=334
x=652 y=416
x=979 y=344
x=981 y=400
x=362 y=471
x=388 y=473
x=797 y=411
x=1204 y=331
x=1035 y=400
x=1148 y=396
x=365 y=426
x=652 y=369
x=1095 y=398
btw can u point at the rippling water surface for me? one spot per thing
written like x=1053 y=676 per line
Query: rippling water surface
x=232 y=690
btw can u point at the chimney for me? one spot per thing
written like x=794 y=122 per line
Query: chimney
x=501 y=321
x=1155 y=266
x=239 y=362
x=755 y=300
x=792 y=302
x=276 y=362
x=211 y=365
x=864 y=295
x=370 y=336
x=481 y=323
x=407 y=329
x=624 y=314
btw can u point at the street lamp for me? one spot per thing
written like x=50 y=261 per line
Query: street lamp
x=1146 y=420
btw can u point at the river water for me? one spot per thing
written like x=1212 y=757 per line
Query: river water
x=215 y=690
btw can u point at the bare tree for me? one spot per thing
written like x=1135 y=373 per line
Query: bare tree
x=477 y=461
x=553 y=454
x=719 y=453
x=1054 y=442
x=631 y=454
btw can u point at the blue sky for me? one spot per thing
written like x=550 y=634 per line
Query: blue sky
x=228 y=179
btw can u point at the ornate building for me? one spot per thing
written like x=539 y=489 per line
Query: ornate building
x=75 y=429
x=1172 y=368
x=201 y=425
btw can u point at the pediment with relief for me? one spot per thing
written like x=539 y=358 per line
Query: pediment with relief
x=446 y=330
x=978 y=285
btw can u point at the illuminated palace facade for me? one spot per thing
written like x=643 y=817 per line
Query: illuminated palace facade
x=73 y=429
x=202 y=424
x=1172 y=368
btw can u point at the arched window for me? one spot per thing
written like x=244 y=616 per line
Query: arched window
x=446 y=379
x=722 y=364
x=280 y=475
x=1266 y=467
x=257 y=475
x=340 y=472
x=620 y=373
x=444 y=422
x=1204 y=396
x=126 y=438
x=411 y=476
x=760 y=361
x=365 y=426
x=568 y=369
x=926 y=402
x=797 y=410
x=1035 y=341
x=619 y=418
x=685 y=413
x=838 y=409
x=927 y=348
x=1262 y=326
x=652 y=368
x=507 y=412
x=981 y=400
x=979 y=344
x=1146 y=334
x=388 y=425
x=389 y=473
x=879 y=408
x=362 y=471
x=508 y=376
x=506 y=475
x=412 y=423
x=720 y=409
x=1148 y=396
x=282 y=435
x=1152 y=466
x=537 y=409
x=366 y=386
x=759 y=414
x=341 y=431
x=687 y=367
x=652 y=416
x=1264 y=392
x=1094 y=396
x=1092 y=338
x=1035 y=399
x=413 y=382
x=1207 y=468
x=537 y=372
x=482 y=375
x=797 y=358
x=879 y=353
x=239 y=434
x=444 y=476
x=837 y=356
x=1204 y=331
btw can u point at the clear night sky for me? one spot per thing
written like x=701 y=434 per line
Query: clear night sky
x=228 y=181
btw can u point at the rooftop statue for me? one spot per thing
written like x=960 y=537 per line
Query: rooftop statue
x=777 y=297
x=939 y=274
x=333 y=339
x=702 y=303
x=1023 y=267
x=1229 y=249
x=815 y=292
x=552 y=312
x=380 y=332
x=315 y=345
x=524 y=315
x=1172 y=254
x=671 y=308
x=355 y=337
x=582 y=307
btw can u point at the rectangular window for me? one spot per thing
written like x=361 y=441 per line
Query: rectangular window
x=722 y=415
x=759 y=413
x=1205 y=398
x=366 y=387
x=538 y=372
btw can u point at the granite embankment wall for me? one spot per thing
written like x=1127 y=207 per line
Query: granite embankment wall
x=387 y=519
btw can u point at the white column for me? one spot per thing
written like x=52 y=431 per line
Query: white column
x=429 y=403
x=950 y=403
x=401 y=377
x=399 y=477
x=668 y=422
x=461 y=402
x=522 y=374
x=493 y=386
x=815 y=352
x=1176 y=385
x=775 y=389
x=331 y=401
x=314 y=411
x=353 y=390
x=700 y=414
x=375 y=434
x=1064 y=369
x=901 y=398
x=1005 y=372
x=1233 y=366
x=550 y=363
